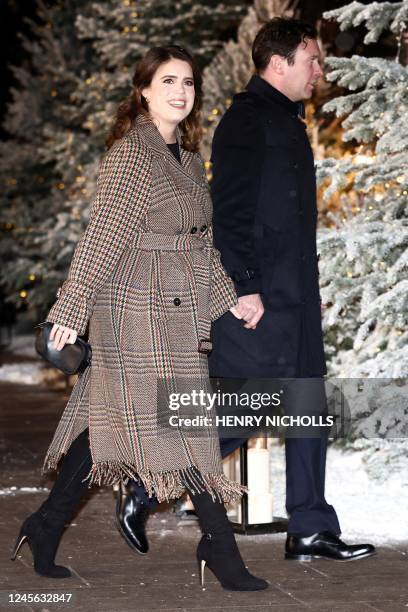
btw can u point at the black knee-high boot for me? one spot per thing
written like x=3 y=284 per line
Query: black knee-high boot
x=218 y=548
x=44 y=528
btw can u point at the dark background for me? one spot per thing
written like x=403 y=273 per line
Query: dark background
x=14 y=15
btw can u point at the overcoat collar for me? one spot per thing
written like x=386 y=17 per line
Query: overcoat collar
x=261 y=87
x=151 y=135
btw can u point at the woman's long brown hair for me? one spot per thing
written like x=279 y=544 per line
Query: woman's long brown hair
x=135 y=104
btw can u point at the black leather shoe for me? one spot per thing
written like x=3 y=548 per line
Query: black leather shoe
x=325 y=545
x=131 y=516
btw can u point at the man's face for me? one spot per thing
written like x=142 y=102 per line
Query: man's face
x=298 y=79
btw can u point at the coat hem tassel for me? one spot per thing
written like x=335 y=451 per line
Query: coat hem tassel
x=166 y=485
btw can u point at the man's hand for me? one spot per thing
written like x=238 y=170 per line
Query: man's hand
x=62 y=335
x=251 y=309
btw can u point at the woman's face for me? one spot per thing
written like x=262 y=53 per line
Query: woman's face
x=171 y=93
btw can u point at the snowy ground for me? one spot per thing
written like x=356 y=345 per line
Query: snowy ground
x=372 y=504
x=29 y=368
x=367 y=486
x=22 y=373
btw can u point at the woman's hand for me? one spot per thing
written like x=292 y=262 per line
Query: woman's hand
x=234 y=310
x=62 y=335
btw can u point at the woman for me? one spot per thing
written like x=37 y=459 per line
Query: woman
x=147 y=278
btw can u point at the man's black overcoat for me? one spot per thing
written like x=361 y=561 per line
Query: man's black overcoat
x=264 y=198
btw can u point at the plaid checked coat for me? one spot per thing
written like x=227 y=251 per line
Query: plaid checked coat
x=146 y=277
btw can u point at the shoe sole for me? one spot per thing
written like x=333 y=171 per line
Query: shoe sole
x=308 y=558
x=128 y=542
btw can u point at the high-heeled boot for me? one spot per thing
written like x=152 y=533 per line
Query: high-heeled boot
x=43 y=529
x=218 y=549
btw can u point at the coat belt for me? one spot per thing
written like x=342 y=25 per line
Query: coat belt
x=148 y=241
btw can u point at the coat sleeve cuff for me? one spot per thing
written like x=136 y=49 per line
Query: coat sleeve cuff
x=248 y=286
x=223 y=297
x=73 y=307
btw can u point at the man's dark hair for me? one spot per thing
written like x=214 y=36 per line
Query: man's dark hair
x=280 y=36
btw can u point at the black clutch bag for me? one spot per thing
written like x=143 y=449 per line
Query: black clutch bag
x=71 y=359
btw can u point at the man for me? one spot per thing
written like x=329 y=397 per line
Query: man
x=264 y=198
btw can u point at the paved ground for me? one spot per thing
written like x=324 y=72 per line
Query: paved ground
x=109 y=577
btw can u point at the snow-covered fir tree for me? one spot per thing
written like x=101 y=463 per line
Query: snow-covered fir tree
x=364 y=258
x=39 y=118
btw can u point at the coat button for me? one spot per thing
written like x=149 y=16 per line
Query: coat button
x=177 y=301
x=193 y=230
x=296 y=165
x=293 y=193
x=203 y=228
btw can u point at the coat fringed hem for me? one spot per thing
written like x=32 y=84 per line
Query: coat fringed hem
x=164 y=485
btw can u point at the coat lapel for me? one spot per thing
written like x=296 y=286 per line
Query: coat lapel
x=189 y=175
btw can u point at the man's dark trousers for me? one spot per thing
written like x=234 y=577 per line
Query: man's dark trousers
x=305 y=457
